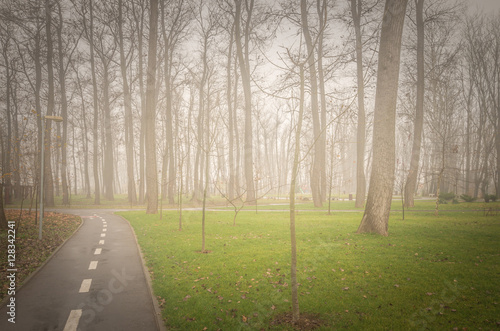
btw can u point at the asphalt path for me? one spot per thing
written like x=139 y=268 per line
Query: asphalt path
x=95 y=281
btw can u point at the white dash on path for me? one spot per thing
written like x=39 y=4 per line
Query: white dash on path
x=85 y=287
x=104 y=230
x=104 y=226
x=93 y=265
x=103 y=235
x=73 y=319
x=97 y=251
x=101 y=242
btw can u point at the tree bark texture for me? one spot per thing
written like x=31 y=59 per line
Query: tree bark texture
x=243 y=61
x=411 y=181
x=150 y=114
x=356 y=10
x=49 y=182
x=64 y=112
x=95 y=143
x=378 y=204
x=127 y=99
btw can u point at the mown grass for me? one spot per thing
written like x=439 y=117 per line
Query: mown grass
x=430 y=272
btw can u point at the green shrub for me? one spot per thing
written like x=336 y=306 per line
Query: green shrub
x=447 y=196
x=486 y=198
x=455 y=201
x=493 y=197
x=467 y=198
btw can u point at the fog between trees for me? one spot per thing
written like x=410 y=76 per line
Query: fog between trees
x=162 y=98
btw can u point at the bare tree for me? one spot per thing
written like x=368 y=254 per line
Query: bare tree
x=244 y=63
x=378 y=204
x=356 y=10
x=127 y=98
x=49 y=182
x=411 y=181
x=150 y=114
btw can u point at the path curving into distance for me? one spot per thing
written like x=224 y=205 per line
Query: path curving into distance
x=96 y=281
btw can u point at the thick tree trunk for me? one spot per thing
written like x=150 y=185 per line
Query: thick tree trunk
x=127 y=99
x=64 y=112
x=138 y=14
x=95 y=159
x=243 y=61
x=378 y=204
x=411 y=181
x=49 y=182
x=3 y=218
x=317 y=166
x=108 y=168
x=322 y=16
x=168 y=111
x=8 y=155
x=150 y=115
x=356 y=9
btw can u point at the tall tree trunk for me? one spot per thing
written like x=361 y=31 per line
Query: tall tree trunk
x=323 y=15
x=127 y=98
x=356 y=10
x=108 y=168
x=150 y=115
x=95 y=159
x=85 y=140
x=3 y=218
x=49 y=182
x=411 y=181
x=139 y=22
x=38 y=106
x=168 y=62
x=64 y=111
x=230 y=125
x=243 y=60
x=378 y=204
x=8 y=157
x=317 y=166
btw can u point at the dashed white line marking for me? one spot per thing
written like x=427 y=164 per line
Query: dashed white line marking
x=73 y=319
x=104 y=226
x=85 y=287
x=97 y=251
x=101 y=242
x=93 y=265
x=104 y=230
x=103 y=235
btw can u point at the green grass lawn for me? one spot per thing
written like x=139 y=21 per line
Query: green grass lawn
x=431 y=272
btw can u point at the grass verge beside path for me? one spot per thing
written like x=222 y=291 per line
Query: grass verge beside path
x=430 y=272
x=30 y=252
